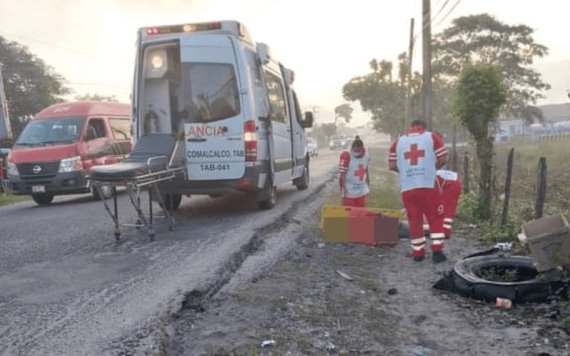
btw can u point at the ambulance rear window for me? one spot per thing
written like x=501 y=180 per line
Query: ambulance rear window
x=210 y=92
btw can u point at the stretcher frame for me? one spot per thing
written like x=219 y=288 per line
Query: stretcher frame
x=136 y=185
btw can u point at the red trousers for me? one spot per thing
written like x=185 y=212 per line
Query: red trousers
x=419 y=203
x=359 y=202
x=450 y=192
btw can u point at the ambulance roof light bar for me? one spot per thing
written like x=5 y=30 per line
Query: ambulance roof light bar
x=232 y=27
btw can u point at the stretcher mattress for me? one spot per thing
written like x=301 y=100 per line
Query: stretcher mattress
x=152 y=153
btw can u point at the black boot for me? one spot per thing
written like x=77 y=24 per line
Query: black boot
x=438 y=257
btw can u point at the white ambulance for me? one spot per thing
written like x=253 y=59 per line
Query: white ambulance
x=231 y=105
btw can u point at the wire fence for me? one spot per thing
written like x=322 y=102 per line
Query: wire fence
x=539 y=180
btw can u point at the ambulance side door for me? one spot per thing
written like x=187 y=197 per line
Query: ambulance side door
x=280 y=126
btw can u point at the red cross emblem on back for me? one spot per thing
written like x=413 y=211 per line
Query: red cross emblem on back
x=360 y=172
x=414 y=154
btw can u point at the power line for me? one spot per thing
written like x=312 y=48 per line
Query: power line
x=440 y=10
x=46 y=43
x=449 y=12
x=432 y=18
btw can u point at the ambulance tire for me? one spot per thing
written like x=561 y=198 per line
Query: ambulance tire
x=172 y=201
x=43 y=198
x=269 y=196
x=467 y=280
x=302 y=182
x=106 y=190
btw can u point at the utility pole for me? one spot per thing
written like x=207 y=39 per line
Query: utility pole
x=315 y=110
x=426 y=87
x=407 y=116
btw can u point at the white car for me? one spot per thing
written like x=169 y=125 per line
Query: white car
x=339 y=141
x=312 y=148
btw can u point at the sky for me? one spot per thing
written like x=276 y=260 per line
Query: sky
x=326 y=42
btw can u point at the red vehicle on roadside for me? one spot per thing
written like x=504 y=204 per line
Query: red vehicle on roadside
x=55 y=152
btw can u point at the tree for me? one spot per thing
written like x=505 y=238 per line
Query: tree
x=328 y=129
x=96 y=97
x=30 y=84
x=483 y=39
x=383 y=96
x=477 y=101
x=344 y=111
x=322 y=133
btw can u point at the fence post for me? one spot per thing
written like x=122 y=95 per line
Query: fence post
x=466 y=173
x=454 y=149
x=507 y=187
x=541 y=188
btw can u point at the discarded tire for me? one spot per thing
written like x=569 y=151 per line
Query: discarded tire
x=516 y=279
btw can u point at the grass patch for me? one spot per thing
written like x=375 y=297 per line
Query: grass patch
x=524 y=178
x=6 y=199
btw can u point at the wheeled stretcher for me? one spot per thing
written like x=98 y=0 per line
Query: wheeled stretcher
x=151 y=163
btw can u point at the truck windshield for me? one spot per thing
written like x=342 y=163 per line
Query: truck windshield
x=51 y=131
x=209 y=92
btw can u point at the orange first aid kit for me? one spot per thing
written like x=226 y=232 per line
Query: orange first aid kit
x=370 y=226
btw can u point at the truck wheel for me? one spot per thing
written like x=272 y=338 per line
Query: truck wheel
x=42 y=199
x=172 y=201
x=106 y=192
x=495 y=276
x=270 y=192
x=302 y=182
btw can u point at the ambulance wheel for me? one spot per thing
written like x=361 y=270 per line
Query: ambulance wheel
x=172 y=201
x=495 y=276
x=302 y=182
x=106 y=192
x=43 y=198
x=270 y=191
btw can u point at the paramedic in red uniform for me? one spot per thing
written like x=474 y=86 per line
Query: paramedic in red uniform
x=416 y=156
x=353 y=180
x=450 y=185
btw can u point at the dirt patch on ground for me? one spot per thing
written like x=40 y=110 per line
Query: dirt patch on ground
x=303 y=306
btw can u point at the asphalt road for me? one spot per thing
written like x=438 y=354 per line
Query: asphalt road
x=68 y=288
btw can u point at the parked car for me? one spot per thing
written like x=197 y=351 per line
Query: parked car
x=312 y=148
x=339 y=142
